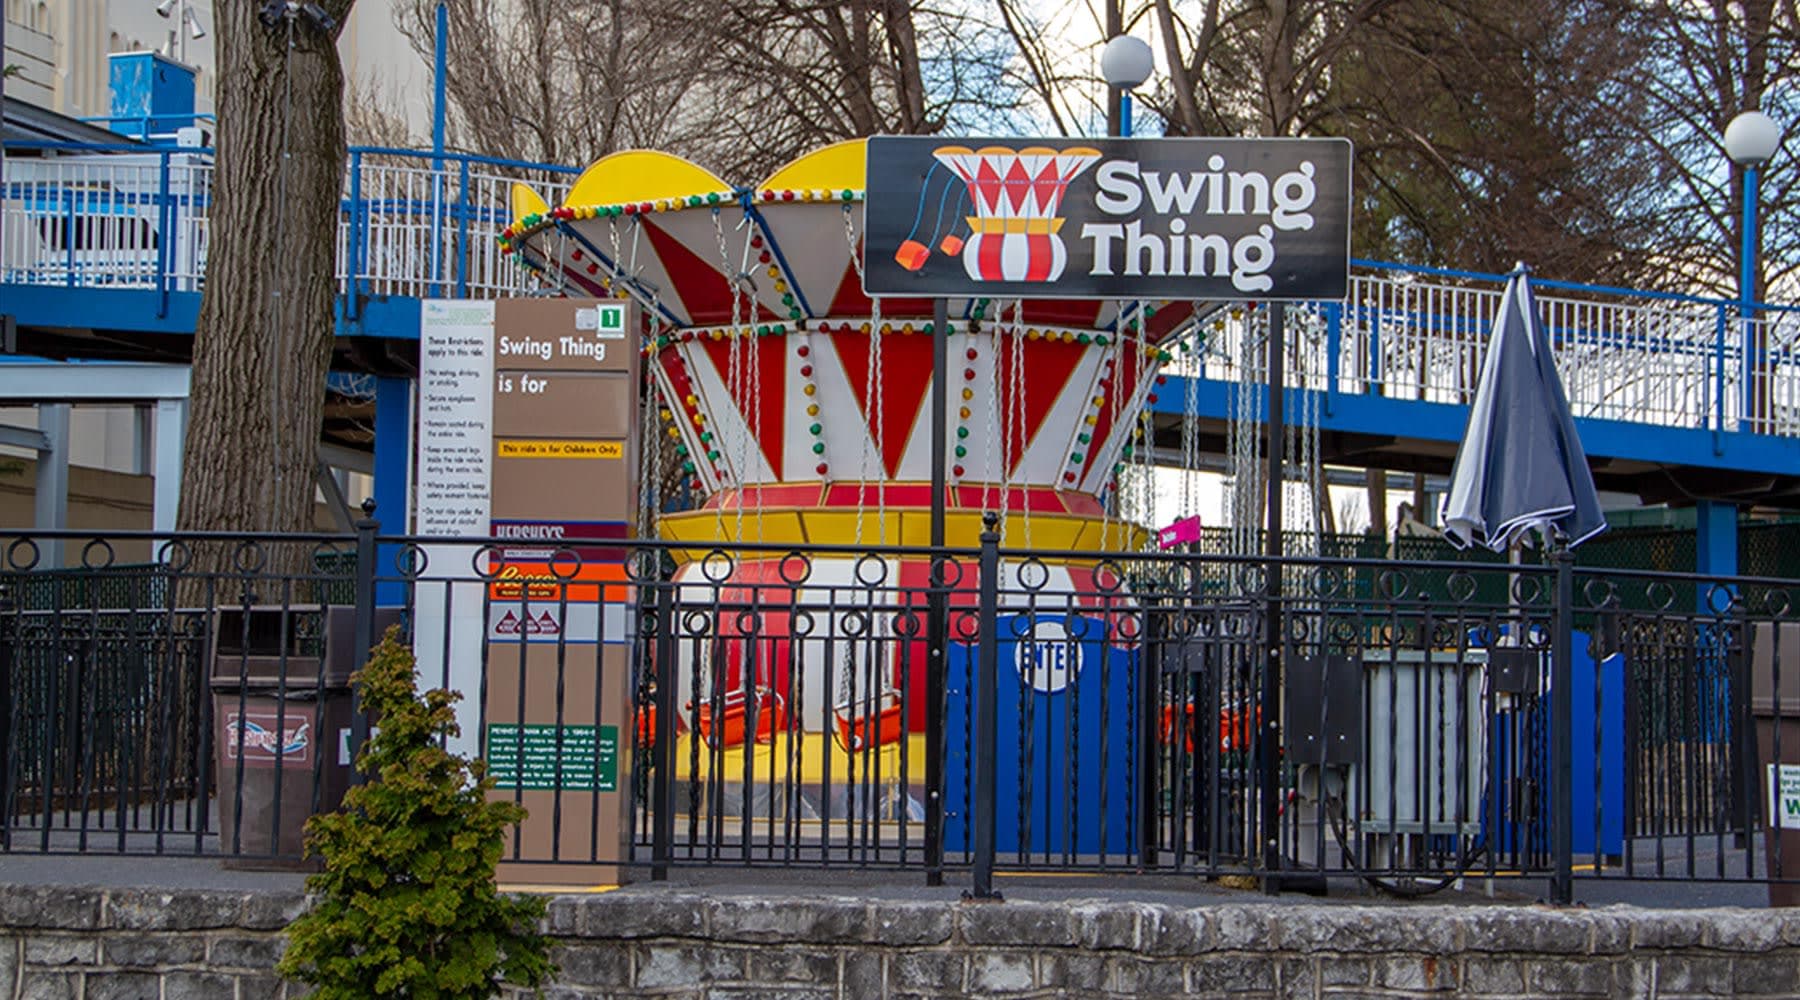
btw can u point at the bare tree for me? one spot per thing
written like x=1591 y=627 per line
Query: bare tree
x=262 y=344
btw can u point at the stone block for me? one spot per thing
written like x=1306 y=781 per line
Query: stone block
x=642 y=915
x=1039 y=924
x=1168 y=931
x=1248 y=928
x=61 y=949
x=1232 y=973
x=247 y=951
x=1146 y=977
x=186 y=985
x=864 y=975
x=257 y=986
x=993 y=972
x=1771 y=974
x=49 y=907
x=1571 y=977
x=664 y=966
x=1493 y=975
x=34 y=985
x=188 y=910
x=1743 y=930
x=1297 y=979
x=1108 y=926
x=1368 y=930
x=1416 y=973
x=270 y=911
x=1077 y=973
x=927 y=971
x=1702 y=974
x=1343 y=970
x=750 y=918
x=10 y=947
x=594 y=963
x=139 y=986
x=903 y=923
x=791 y=963
x=152 y=950
x=1519 y=929
x=1667 y=929
x=769 y=993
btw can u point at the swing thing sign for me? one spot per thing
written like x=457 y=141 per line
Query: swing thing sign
x=1108 y=218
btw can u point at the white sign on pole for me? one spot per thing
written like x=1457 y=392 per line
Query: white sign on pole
x=455 y=476
x=1784 y=796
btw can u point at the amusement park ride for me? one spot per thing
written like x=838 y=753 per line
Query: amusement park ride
x=801 y=411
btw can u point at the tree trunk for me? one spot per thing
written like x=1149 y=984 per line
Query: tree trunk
x=262 y=345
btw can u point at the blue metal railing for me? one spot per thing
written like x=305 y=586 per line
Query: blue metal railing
x=419 y=223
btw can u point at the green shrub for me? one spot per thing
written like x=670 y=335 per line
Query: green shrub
x=406 y=905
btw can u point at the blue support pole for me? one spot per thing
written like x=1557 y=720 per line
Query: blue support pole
x=1752 y=367
x=393 y=462
x=440 y=58
x=1716 y=538
x=353 y=252
x=1124 y=114
x=439 y=119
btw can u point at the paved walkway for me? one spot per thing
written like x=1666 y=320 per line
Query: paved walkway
x=207 y=873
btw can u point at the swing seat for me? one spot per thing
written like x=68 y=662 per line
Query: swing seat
x=1235 y=725
x=1186 y=723
x=732 y=722
x=859 y=730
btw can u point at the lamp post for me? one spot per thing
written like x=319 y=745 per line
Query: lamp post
x=1126 y=63
x=182 y=13
x=1750 y=140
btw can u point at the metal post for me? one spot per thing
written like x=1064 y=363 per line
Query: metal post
x=1268 y=758
x=51 y=500
x=937 y=606
x=662 y=755
x=1755 y=381
x=1562 y=683
x=1124 y=113
x=987 y=710
x=364 y=625
x=8 y=636
x=440 y=57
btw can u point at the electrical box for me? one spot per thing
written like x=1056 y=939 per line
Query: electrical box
x=1426 y=760
x=151 y=94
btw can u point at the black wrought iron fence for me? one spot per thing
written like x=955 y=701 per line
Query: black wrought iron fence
x=1403 y=721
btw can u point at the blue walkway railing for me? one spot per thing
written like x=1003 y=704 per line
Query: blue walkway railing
x=416 y=224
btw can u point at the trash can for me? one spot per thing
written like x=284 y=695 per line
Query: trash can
x=280 y=681
x=1776 y=654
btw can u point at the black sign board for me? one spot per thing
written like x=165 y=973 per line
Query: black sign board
x=1108 y=218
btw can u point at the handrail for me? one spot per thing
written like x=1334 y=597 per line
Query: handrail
x=418 y=223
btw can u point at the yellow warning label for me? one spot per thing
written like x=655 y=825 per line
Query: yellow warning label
x=528 y=448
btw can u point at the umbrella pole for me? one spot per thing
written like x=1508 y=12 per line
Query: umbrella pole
x=1268 y=751
x=1562 y=683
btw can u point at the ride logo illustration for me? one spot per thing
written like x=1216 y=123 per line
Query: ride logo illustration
x=1130 y=218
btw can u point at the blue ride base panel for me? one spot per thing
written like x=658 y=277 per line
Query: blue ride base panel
x=1068 y=775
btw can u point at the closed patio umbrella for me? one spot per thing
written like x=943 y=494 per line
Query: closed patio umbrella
x=1520 y=465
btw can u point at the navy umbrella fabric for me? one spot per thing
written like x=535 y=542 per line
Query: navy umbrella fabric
x=1520 y=465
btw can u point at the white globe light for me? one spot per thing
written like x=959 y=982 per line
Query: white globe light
x=1126 y=62
x=1751 y=138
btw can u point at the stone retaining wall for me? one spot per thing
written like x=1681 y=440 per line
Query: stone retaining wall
x=99 y=944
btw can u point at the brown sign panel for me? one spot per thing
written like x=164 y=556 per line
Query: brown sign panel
x=560 y=404
x=556 y=730
x=571 y=762
x=566 y=335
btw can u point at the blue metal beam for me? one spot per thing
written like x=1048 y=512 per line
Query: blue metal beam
x=135 y=310
x=1444 y=422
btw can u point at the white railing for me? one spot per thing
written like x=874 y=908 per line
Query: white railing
x=417 y=226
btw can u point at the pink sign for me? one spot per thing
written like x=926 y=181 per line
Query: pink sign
x=1180 y=533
